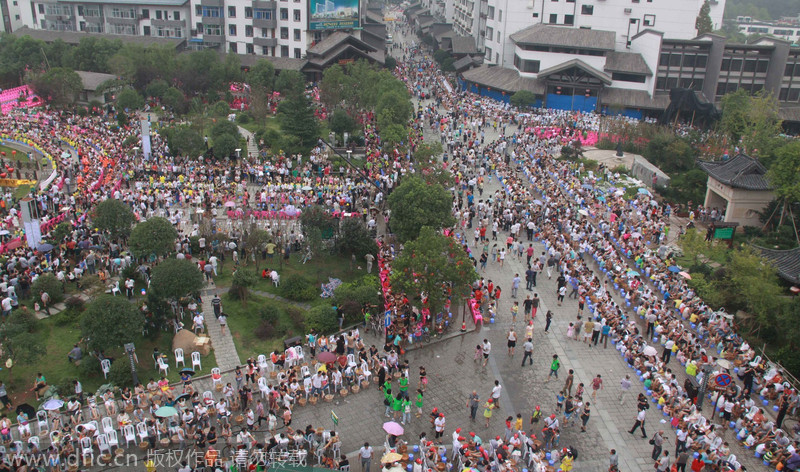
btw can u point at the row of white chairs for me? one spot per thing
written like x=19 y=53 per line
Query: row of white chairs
x=161 y=363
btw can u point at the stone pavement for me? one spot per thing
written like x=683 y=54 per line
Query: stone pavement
x=224 y=349
x=252 y=148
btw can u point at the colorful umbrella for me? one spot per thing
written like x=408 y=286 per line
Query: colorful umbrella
x=391 y=427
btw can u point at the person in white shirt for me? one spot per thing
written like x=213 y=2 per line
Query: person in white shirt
x=365 y=453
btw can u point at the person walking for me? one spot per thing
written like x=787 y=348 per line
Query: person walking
x=487 y=411
x=527 y=305
x=528 y=352
x=662 y=465
x=473 y=403
x=548 y=318
x=515 y=285
x=658 y=444
x=554 y=366
x=569 y=381
x=597 y=384
x=512 y=341
x=496 y=390
x=366 y=456
x=486 y=348
x=585 y=416
x=613 y=461
x=640 y=418
x=625 y=388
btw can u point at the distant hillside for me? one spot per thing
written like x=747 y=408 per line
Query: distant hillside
x=762 y=9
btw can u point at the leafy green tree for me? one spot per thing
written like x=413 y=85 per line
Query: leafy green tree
x=290 y=83
x=17 y=55
x=157 y=88
x=341 y=122
x=523 y=98
x=184 y=140
x=19 y=338
x=155 y=236
x=243 y=280
x=355 y=238
x=223 y=127
x=390 y=63
x=296 y=118
x=430 y=263
x=393 y=135
x=129 y=99
x=174 y=99
x=416 y=204
x=174 y=279
x=58 y=85
x=703 y=22
x=225 y=145
x=109 y=322
x=262 y=75
x=333 y=86
x=752 y=119
x=50 y=284
x=784 y=175
x=221 y=108
x=93 y=54
x=315 y=216
x=114 y=216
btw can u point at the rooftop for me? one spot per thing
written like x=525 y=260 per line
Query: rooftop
x=630 y=62
x=741 y=171
x=787 y=262
x=93 y=80
x=500 y=78
x=560 y=36
x=612 y=96
x=70 y=37
x=464 y=45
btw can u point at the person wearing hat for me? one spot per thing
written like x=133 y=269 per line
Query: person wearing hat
x=438 y=425
x=487 y=410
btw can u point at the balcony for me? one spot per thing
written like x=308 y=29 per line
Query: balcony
x=213 y=38
x=211 y=20
x=212 y=3
x=94 y=19
x=58 y=17
x=271 y=42
x=263 y=23
x=122 y=21
x=265 y=4
x=169 y=23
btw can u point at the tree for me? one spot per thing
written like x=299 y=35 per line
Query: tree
x=109 y=322
x=223 y=127
x=19 y=338
x=430 y=267
x=262 y=75
x=703 y=22
x=290 y=83
x=752 y=119
x=316 y=217
x=243 y=279
x=296 y=117
x=157 y=88
x=114 y=216
x=333 y=86
x=58 y=85
x=225 y=145
x=355 y=238
x=341 y=122
x=174 y=279
x=390 y=63
x=523 y=98
x=129 y=99
x=415 y=204
x=255 y=240
x=184 y=140
x=393 y=135
x=155 y=236
x=784 y=175
x=48 y=283
x=174 y=99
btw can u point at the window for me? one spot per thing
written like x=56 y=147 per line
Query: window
x=158 y=14
x=265 y=50
x=523 y=65
x=489 y=33
x=623 y=77
x=762 y=66
x=296 y=34
x=689 y=60
x=212 y=30
x=231 y=12
x=249 y=48
x=587 y=9
x=285 y=35
x=284 y=51
x=41 y=9
x=176 y=15
x=553 y=18
x=198 y=10
x=569 y=20
x=146 y=31
x=296 y=15
x=248 y=12
x=491 y=13
x=675 y=60
x=649 y=20
x=212 y=12
x=248 y=31
x=664 y=60
x=750 y=65
x=784 y=94
x=284 y=14
x=570 y=1
x=489 y=53
x=262 y=14
x=701 y=61
x=297 y=53
x=499 y=15
x=145 y=13
x=265 y=33
x=736 y=65
x=794 y=94
x=234 y=47
x=232 y=30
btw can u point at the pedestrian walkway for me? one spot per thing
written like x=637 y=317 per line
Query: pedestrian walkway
x=252 y=148
x=224 y=348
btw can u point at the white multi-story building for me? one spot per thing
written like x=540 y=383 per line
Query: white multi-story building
x=788 y=30
x=14 y=14
x=493 y=24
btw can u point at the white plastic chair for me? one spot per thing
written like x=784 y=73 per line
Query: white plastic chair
x=290 y=357
x=262 y=362
x=105 y=366
x=113 y=441
x=130 y=435
x=263 y=387
x=365 y=371
x=41 y=421
x=102 y=444
x=86 y=447
x=115 y=289
x=300 y=354
x=35 y=441
x=216 y=376
x=208 y=397
x=179 y=358
x=351 y=360
x=196 y=365
x=304 y=372
x=108 y=424
x=141 y=431
x=163 y=366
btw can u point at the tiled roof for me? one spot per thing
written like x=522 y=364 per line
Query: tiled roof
x=72 y=37
x=500 y=78
x=92 y=80
x=626 y=62
x=602 y=76
x=560 y=36
x=464 y=45
x=741 y=171
x=632 y=98
x=787 y=262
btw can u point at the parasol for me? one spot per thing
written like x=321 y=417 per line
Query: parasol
x=230 y=204
x=633 y=273
x=685 y=275
x=643 y=191
x=182 y=398
x=326 y=357
x=391 y=457
x=724 y=363
x=537 y=202
x=4 y=232
x=65 y=155
x=306 y=188
x=187 y=370
x=44 y=247
x=27 y=409
x=649 y=351
x=583 y=212
x=166 y=412
x=393 y=428
x=674 y=269
x=52 y=404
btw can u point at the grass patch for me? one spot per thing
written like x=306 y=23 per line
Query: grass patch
x=60 y=336
x=20 y=156
x=245 y=323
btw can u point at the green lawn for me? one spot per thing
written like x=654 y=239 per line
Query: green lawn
x=20 y=156
x=59 y=340
x=244 y=320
